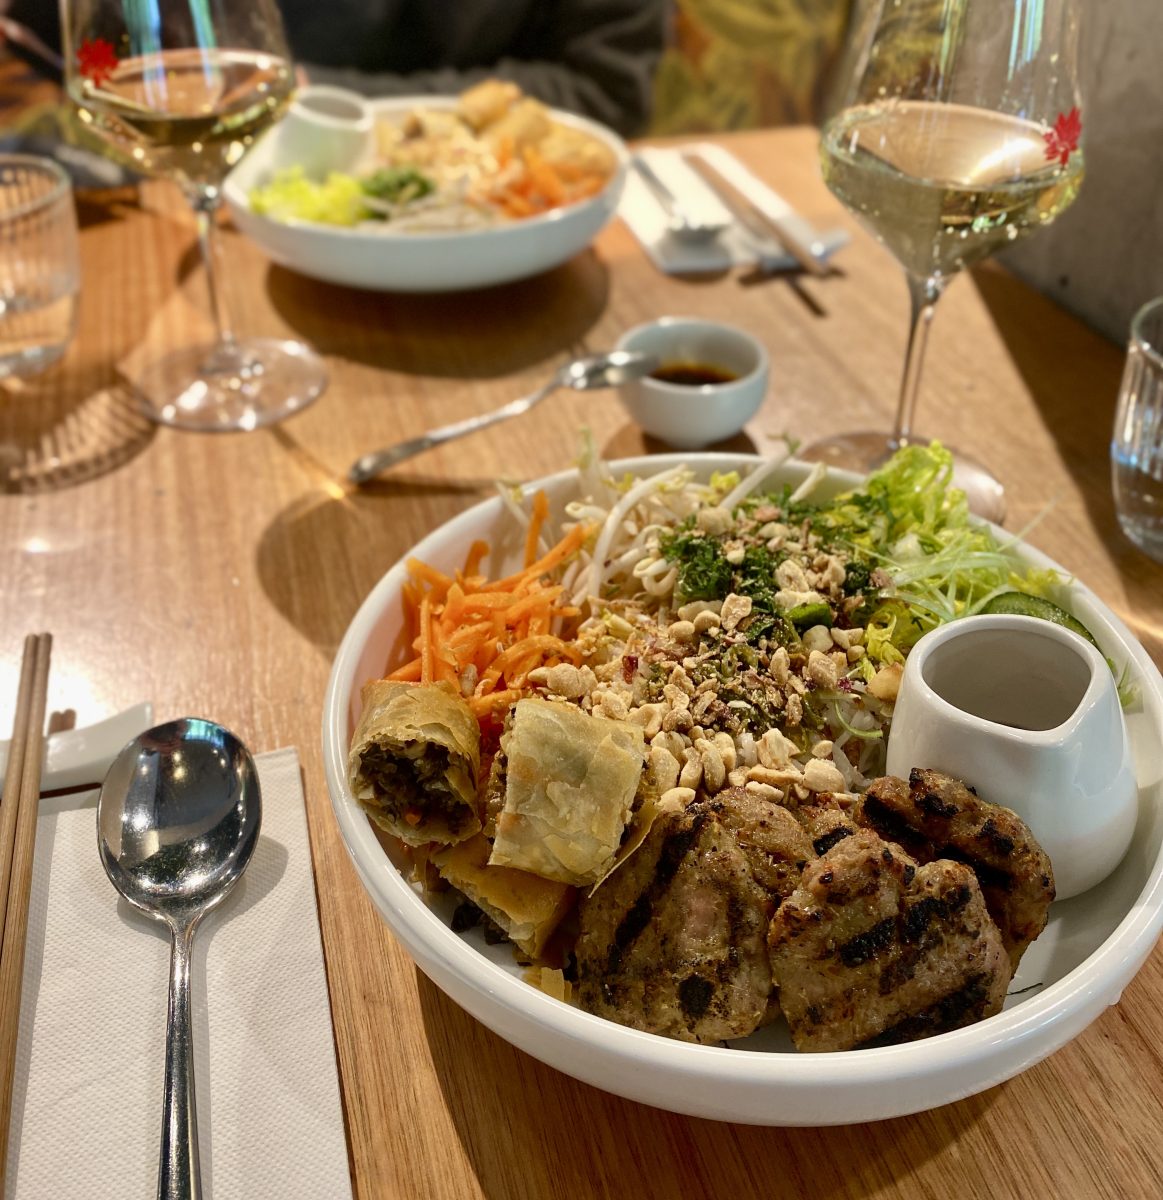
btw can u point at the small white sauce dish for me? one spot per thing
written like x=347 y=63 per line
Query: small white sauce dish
x=690 y=417
x=326 y=129
x=1027 y=713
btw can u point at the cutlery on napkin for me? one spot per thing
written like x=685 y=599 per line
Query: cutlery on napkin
x=91 y=1051
x=735 y=247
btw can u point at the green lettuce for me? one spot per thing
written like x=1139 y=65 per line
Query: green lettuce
x=911 y=523
x=291 y=195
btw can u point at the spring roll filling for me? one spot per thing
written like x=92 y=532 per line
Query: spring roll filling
x=412 y=782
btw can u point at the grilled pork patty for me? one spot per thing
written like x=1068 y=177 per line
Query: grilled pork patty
x=872 y=950
x=934 y=816
x=674 y=942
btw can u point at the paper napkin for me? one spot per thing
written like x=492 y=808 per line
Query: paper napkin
x=86 y=1107
x=643 y=213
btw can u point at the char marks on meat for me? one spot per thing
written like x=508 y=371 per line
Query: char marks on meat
x=872 y=949
x=936 y=817
x=674 y=942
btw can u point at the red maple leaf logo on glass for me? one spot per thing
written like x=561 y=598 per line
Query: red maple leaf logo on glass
x=1062 y=140
x=96 y=60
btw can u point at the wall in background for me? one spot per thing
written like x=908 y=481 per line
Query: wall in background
x=1103 y=258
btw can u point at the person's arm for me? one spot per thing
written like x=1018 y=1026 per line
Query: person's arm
x=595 y=57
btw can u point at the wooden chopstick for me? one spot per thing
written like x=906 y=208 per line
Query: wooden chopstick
x=754 y=220
x=20 y=804
x=9 y=805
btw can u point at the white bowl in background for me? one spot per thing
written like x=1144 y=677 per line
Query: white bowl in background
x=1028 y=711
x=377 y=258
x=691 y=417
x=1091 y=948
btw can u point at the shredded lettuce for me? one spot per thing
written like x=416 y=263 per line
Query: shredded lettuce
x=291 y=195
x=910 y=522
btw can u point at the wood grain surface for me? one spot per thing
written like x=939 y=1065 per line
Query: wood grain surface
x=215 y=574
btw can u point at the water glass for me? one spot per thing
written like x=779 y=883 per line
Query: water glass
x=1137 y=443
x=40 y=269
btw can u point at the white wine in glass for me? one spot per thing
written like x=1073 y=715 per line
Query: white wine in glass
x=181 y=89
x=960 y=135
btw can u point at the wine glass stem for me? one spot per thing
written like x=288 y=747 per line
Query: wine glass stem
x=923 y=296
x=205 y=201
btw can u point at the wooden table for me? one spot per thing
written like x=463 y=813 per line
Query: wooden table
x=215 y=575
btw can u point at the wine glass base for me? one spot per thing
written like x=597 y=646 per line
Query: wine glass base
x=866 y=450
x=237 y=385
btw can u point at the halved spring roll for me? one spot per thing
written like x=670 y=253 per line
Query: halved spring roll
x=414 y=761
x=570 y=782
x=527 y=907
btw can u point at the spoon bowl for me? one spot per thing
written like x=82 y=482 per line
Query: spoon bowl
x=177 y=822
x=606 y=370
x=688 y=229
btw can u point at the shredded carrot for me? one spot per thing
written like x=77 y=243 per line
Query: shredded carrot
x=408 y=673
x=570 y=544
x=481 y=705
x=545 y=178
x=519 y=206
x=472 y=562
x=536 y=520
x=421 y=572
x=469 y=635
x=487 y=635
x=426 y=673
x=521 y=651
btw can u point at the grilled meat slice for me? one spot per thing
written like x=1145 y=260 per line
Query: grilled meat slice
x=826 y=821
x=934 y=816
x=772 y=840
x=873 y=950
x=674 y=942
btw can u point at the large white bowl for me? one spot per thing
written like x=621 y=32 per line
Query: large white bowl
x=382 y=260
x=1090 y=950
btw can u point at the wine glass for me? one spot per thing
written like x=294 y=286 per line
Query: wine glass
x=959 y=133
x=181 y=89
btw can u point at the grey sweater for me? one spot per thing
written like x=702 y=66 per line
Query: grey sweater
x=595 y=57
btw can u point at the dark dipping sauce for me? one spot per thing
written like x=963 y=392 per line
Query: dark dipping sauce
x=693 y=374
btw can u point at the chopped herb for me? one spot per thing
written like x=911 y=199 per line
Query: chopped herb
x=703 y=572
x=397 y=185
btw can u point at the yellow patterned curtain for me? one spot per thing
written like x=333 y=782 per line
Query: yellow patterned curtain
x=740 y=64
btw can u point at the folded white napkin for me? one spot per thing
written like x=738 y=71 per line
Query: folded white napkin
x=86 y=1109
x=644 y=214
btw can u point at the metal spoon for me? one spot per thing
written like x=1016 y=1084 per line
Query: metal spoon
x=583 y=375
x=177 y=822
x=679 y=222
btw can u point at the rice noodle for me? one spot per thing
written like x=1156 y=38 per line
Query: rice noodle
x=749 y=483
x=637 y=493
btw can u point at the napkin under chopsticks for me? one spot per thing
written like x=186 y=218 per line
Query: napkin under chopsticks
x=641 y=211
x=86 y=1118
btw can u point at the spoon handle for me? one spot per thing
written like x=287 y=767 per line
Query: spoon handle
x=662 y=193
x=179 y=1176
x=371 y=465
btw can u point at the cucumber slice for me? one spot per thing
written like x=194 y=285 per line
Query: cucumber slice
x=804 y=616
x=1022 y=604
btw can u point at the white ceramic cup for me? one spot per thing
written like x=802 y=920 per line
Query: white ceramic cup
x=326 y=129
x=692 y=417
x=1027 y=713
